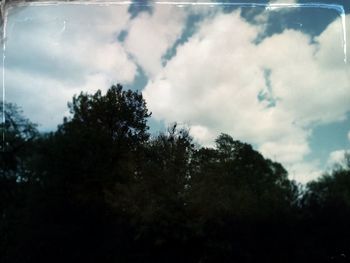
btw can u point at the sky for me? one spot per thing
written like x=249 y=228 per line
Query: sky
x=274 y=75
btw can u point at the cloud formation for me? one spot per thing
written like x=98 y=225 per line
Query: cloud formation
x=270 y=94
x=337 y=158
x=151 y=35
x=219 y=79
x=55 y=52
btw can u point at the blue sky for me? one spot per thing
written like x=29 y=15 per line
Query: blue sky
x=274 y=77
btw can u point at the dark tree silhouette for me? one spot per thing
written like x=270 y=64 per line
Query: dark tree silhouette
x=327 y=214
x=239 y=200
x=101 y=189
x=17 y=135
x=78 y=167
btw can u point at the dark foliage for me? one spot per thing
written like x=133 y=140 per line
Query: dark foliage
x=100 y=189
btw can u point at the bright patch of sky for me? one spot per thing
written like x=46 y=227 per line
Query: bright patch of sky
x=275 y=78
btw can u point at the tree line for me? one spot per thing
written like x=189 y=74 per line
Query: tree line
x=100 y=188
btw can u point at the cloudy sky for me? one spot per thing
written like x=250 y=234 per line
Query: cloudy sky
x=275 y=75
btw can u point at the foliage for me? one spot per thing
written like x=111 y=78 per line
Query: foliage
x=101 y=189
x=17 y=132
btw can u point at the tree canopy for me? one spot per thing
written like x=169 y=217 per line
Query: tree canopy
x=101 y=188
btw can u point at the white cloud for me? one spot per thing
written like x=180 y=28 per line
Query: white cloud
x=215 y=84
x=151 y=35
x=197 y=75
x=271 y=94
x=202 y=134
x=337 y=158
x=304 y=172
x=73 y=42
x=214 y=81
x=309 y=85
x=53 y=52
x=47 y=105
x=287 y=152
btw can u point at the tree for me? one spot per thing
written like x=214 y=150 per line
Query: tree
x=97 y=142
x=156 y=199
x=244 y=183
x=18 y=134
x=331 y=192
x=78 y=167
x=240 y=201
x=326 y=211
x=121 y=115
x=100 y=188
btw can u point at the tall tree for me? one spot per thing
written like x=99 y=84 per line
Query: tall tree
x=238 y=200
x=78 y=167
x=17 y=132
x=17 y=136
x=96 y=144
x=326 y=206
x=156 y=200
